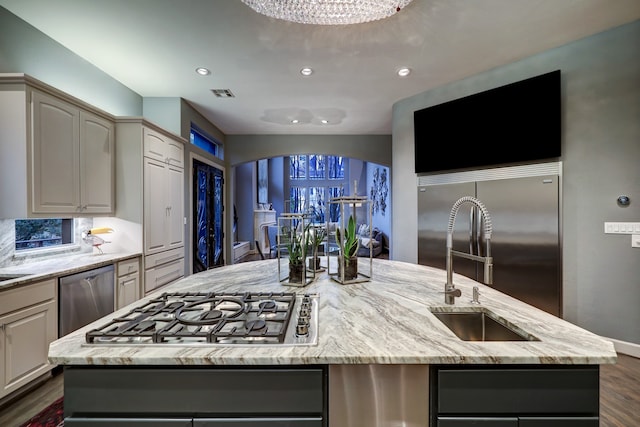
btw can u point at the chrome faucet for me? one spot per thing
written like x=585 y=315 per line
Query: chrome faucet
x=450 y=291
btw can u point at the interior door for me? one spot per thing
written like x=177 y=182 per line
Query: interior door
x=208 y=209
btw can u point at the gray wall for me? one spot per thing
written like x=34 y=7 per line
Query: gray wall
x=24 y=49
x=601 y=153
x=373 y=148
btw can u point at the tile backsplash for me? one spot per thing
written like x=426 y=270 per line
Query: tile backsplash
x=9 y=257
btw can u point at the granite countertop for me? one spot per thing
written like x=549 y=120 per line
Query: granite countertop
x=386 y=320
x=59 y=266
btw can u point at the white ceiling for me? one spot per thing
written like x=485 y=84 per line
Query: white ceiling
x=154 y=46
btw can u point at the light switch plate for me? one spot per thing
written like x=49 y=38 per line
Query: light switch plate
x=635 y=240
x=622 y=227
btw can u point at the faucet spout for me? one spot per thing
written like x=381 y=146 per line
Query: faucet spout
x=487 y=260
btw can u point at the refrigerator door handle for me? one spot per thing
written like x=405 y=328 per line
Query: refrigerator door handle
x=472 y=231
x=480 y=237
x=475 y=231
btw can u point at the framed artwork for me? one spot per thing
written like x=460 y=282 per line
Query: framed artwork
x=263 y=181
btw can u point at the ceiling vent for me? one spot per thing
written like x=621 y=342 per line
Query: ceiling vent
x=223 y=93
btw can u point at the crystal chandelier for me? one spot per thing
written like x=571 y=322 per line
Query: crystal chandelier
x=327 y=12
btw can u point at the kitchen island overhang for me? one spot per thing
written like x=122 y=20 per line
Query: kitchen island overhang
x=372 y=337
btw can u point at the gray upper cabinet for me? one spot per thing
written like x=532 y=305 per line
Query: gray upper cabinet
x=57 y=153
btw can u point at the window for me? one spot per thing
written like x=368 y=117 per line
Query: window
x=200 y=139
x=336 y=167
x=315 y=179
x=298 y=167
x=42 y=233
x=316 y=166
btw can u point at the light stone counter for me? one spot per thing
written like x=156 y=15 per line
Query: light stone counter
x=383 y=321
x=57 y=267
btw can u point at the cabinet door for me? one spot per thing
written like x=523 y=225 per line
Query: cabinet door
x=175 y=219
x=25 y=336
x=175 y=153
x=96 y=163
x=128 y=289
x=55 y=153
x=156 y=208
x=155 y=145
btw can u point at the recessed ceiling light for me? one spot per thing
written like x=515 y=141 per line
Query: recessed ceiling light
x=404 y=71
x=203 y=71
x=294 y=121
x=324 y=121
x=306 y=71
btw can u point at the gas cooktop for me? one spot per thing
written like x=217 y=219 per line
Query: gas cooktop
x=201 y=318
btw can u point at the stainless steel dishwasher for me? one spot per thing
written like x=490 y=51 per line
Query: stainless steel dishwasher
x=84 y=297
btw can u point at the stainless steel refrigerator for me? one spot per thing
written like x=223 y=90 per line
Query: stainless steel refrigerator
x=526 y=236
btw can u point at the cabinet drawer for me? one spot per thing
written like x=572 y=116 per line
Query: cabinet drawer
x=128 y=266
x=155 y=260
x=127 y=422
x=573 y=390
x=162 y=275
x=24 y=296
x=199 y=392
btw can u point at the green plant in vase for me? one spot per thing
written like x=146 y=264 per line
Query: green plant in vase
x=317 y=237
x=348 y=243
x=296 y=246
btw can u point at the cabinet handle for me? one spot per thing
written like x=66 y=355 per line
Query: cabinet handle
x=127 y=282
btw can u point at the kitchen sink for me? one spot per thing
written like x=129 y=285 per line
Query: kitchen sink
x=481 y=325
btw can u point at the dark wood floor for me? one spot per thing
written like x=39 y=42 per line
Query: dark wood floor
x=619 y=394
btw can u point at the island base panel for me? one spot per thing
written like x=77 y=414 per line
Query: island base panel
x=378 y=395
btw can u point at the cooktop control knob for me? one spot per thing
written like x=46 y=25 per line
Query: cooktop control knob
x=302 y=328
x=304 y=317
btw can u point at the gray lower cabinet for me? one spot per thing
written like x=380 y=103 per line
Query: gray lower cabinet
x=194 y=422
x=195 y=397
x=124 y=422
x=259 y=422
x=518 y=422
x=515 y=396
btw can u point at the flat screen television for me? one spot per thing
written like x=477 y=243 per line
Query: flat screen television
x=515 y=123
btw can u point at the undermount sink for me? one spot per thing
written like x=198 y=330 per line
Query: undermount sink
x=480 y=325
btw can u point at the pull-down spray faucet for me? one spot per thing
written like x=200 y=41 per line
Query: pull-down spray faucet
x=450 y=291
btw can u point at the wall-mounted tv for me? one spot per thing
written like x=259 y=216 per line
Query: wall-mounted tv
x=515 y=123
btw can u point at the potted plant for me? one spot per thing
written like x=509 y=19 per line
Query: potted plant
x=348 y=243
x=317 y=237
x=297 y=243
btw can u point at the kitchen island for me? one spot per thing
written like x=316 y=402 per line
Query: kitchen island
x=380 y=356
